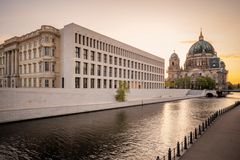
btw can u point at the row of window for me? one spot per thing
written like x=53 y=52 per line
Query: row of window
x=34 y=82
x=115 y=60
x=31 y=54
x=32 y=68
x=91 y=42
x=99 y=70
x=105 y=83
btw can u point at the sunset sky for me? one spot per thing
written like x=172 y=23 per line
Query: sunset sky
x=156 y=26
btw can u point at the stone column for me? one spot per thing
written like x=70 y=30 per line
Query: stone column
x=8 y=63
x=5 y=63
x=12 y=63
x=16 y=62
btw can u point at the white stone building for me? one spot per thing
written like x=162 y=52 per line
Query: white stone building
x=76 y=57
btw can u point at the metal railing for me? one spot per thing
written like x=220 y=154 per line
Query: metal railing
x=181 y=147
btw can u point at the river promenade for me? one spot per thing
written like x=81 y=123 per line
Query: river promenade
x=220 y=142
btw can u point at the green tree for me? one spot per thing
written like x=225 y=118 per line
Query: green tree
x=184 y=82
x=169 y=84
x=121 y=91
x=205 y=83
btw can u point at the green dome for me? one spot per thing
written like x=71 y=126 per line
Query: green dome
x=201 y=46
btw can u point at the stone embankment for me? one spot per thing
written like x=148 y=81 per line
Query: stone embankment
x=23 y=104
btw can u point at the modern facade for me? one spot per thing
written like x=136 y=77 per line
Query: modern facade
x=201 y=60
x=76 y=57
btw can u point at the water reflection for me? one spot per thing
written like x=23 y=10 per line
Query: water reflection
x=130 y=133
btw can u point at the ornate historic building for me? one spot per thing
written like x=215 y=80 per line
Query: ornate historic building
x=76 y=57
x=201 y=60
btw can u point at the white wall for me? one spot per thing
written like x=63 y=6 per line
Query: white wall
x=42 y=97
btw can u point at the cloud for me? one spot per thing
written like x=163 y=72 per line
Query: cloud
x=188 y=41
x=191 y=41
x=231 y=57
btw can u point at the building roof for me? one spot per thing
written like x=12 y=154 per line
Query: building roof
x=201 y=46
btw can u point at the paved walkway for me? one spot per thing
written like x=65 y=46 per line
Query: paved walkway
x=220 y=142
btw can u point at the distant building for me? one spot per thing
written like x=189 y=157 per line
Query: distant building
x=201 y=60
x=76 y=57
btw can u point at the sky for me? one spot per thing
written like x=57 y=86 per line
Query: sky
x=155 y=26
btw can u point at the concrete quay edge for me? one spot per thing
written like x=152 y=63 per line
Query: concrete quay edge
x=22 y=114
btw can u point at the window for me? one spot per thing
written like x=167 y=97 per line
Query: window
x=110 y=71
x=104 y=83
x=40 y=83
x=77 y=52
x=34 y=82
x=85 y=82
x=46 y=83
x=77 y=67
x=83 y=40
x=20 y=69
x=90 y=42
x=29 y=55
x=120 y=61
x=85 y=54
x=92 y=82
x=87 y=40
x=34 y=67
x=29 y=82
x=92 y=55
x=53 y=67
x=120 y=73
x=105 y=58
x=40 y=67
x=77 y=82
x=53 y=52
x=99 y=57
x=115 y=60
x=92 y=69
x=53 y=83
x=46 y=66
x=99 y=83
x=99 y=70
x=124 y=62
x=46 y=51
x=115 y=83
x=34 y=53
x=105 y=71
x=85 y=68
x=76 y=37
x=25 y=68
x=110 y=83
x=110 y=59
x=115 y=72
x=79 y=37
x=29 y=68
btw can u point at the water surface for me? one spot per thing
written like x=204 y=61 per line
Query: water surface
x=141 y=132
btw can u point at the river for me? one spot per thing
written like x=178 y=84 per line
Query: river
x=134 y=133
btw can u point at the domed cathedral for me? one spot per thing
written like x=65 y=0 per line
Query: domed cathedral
x=201 y=61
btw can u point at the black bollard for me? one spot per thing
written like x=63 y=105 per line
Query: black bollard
x=199 y=130
x=169 y=154
x=195 y=133
x=178 y=149
x=191 y=138
x=185 y=142
x=206 y=124
x=203 y=127
x=158 y=158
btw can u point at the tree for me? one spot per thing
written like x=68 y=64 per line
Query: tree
x=205 y=83
x=184 y=82
x=121 y=91
x=169 y=84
